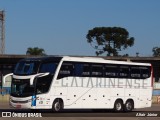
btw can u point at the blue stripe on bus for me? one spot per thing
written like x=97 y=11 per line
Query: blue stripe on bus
x=156 y=92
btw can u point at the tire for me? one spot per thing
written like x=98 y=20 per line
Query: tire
x=129 y=106
x=57 y=105
x=118 y=106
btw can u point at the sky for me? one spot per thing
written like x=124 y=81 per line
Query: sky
x=60 y=26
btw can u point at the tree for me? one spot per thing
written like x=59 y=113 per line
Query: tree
x=35 y=51
x=156 y=51
x=109 y=39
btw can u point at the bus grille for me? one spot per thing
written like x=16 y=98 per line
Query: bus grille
x=26 y=101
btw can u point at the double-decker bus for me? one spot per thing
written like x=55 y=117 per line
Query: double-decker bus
x=80 y=83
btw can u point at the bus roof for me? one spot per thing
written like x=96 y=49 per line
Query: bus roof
x=101 y=60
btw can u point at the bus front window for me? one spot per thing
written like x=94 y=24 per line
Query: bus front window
x=21 y=88
x=43 y=83
x=26 y=68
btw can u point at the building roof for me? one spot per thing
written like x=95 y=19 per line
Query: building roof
x=12 y=59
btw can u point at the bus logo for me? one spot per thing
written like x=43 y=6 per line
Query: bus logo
x=6 y=114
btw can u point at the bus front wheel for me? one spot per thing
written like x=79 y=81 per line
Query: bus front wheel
x=57 y=105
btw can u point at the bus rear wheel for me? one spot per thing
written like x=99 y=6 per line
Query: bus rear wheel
x=57 y=105
x=129 y=105
x=118 y=106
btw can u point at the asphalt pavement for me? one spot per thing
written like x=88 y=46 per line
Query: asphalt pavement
x=152 y=113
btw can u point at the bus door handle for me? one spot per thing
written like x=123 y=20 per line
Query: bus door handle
x=83 y=99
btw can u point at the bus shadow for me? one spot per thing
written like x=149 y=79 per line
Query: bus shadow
x=65 y=111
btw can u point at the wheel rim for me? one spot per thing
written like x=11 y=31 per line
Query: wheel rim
x=118 y=106
x=129 y=106
x=57 y=106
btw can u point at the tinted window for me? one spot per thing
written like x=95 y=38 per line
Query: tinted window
x=82 y=69
x=97 y=70
x=145 y=71
x=135 y=72
x=66 y=70
x=21 y=88
x=124 y=71
x=48 y=67
x=26 y=67
x=78 y=69
x=111 y=71
x=86 y=70
x=43 y=84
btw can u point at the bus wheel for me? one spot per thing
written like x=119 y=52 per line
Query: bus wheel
x=57 y=105
x=118 y=106
x=129 y=105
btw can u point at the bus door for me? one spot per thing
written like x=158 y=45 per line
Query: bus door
x=42 y=87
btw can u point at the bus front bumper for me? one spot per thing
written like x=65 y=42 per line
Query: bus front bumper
x=20 y=105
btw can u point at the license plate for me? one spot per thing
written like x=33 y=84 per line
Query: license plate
x=18 y=106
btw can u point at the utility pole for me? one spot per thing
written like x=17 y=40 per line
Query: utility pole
x=2 y=32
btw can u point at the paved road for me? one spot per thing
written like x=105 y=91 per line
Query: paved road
x=86 y=114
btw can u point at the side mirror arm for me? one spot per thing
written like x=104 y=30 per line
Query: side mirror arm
x=4 y=77
x=38 y=75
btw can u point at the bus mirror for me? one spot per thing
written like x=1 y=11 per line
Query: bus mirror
x=38 y=75
x=4 y=77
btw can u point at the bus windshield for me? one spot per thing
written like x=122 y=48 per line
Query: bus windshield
x=21 y=88
x=26 y=67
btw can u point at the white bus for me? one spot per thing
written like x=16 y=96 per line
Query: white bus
x=80 y=83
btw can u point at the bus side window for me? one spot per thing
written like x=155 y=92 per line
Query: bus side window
x=145 y=71
x=48 y=67
x=124 y=72
x=66 y=70
x=135 y=72
x=111 y=71
x=78 y=69
x=97 y=70
x=86 y=70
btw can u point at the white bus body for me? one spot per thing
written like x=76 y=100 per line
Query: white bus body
x=81 y=83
